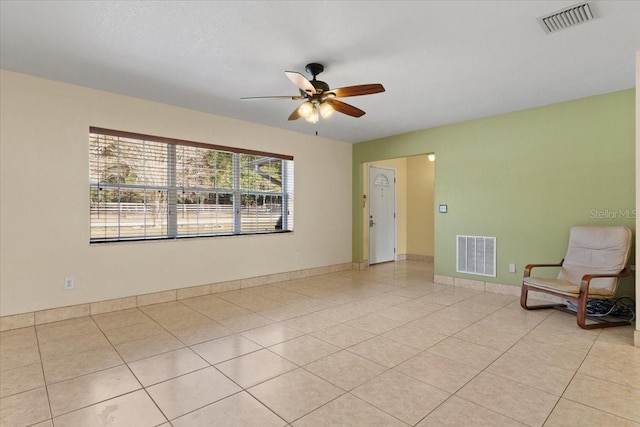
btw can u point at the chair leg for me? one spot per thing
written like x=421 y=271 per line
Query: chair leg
x=523 y=296
x=523 y=301
x=581 y=312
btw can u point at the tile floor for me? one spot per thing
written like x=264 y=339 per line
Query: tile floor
x=381 y=347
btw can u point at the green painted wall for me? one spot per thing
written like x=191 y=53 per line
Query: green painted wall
x=523 y=177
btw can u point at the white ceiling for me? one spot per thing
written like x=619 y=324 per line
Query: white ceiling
x=440 y=61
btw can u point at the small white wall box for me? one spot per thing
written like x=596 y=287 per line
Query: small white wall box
x=442 y=208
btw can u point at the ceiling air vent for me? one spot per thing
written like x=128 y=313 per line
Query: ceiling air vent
x=568 y=17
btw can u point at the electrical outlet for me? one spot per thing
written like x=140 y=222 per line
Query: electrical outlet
x=512 y=268
x=298 y=256
x=68 y=283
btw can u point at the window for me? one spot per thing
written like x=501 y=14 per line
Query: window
x=146 y=187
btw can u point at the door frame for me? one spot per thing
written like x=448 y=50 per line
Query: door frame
x=395 y=211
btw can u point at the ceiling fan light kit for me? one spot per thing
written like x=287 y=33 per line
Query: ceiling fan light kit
x=312 y=111
x=306 y=110
x=326 y=110
x=320 y=99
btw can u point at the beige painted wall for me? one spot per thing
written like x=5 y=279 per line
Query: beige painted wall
x=400 y=165
x=44 y=200
x=420 y=209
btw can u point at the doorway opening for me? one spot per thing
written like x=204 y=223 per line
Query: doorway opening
x=414 y=233
x=382 y=214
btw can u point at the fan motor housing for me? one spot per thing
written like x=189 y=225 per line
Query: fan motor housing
x=314 y=69
x=319 y=85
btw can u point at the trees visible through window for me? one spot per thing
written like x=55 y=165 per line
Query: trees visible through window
x=146 y=187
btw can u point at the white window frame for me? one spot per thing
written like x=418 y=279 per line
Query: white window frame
x=172 y=189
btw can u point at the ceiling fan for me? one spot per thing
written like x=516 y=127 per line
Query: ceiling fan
x=320 y=100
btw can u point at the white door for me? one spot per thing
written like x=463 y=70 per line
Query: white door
x=382 y=213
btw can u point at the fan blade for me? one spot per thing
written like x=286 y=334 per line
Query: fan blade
x=301 y=81
x=357 y=90
x=344 y=108
x=294 y=97
x=295 y=115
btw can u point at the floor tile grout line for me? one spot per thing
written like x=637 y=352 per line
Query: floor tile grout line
x=452 y=336
x=87 y=374
x=44 y=378
x=142 y=387
x=387 y=368
x=526 y=385
x=572 y=378
x=224 y=374
x=473 y=403
x=586 y=374
x=270 y=409
x=130 y=310
x=303 y=367
x=601 y=410
x=246 y=389
x=124 y=362
x=262 y=381
x=139 y=309
x=90 y=373
x=242 y=390
x=166 y=418
x=198 y=355
x=577 y=371
x=80 y=408
x=29 y=389
x=347 y=391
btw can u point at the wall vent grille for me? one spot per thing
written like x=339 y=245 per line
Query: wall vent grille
x=476 y=255
x=568 y=17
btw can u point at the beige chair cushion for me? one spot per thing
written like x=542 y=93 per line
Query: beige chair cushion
x=564 y=287
x=596 y=250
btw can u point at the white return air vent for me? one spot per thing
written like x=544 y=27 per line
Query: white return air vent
x=568 y=17
x=476 y=255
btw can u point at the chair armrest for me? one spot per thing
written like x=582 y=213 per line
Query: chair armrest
x=586 y=279
x=529 y=267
